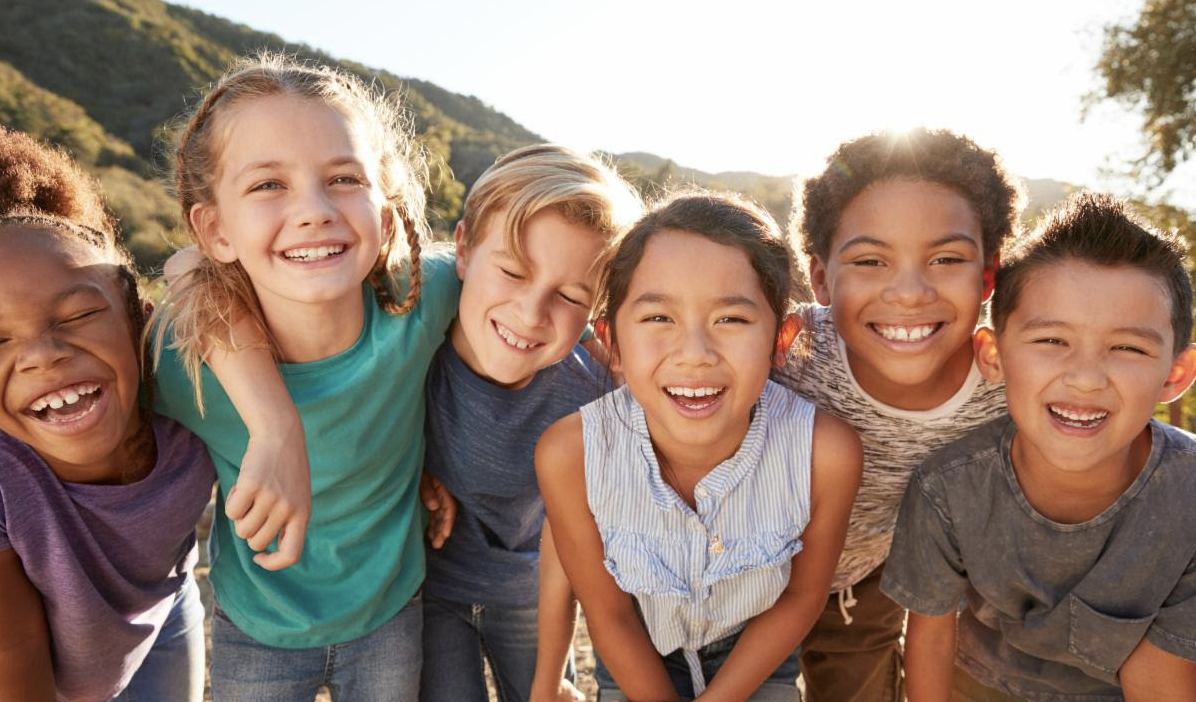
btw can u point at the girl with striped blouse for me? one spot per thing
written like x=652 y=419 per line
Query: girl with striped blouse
x=700 y=509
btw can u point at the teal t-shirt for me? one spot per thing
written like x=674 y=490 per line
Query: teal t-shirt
x=363 y=418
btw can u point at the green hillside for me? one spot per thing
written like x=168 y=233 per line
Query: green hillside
x=105 y=79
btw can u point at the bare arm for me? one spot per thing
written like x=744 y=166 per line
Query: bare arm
x=1151 y=674
x=614 y=626
x=772 y=636
x=272 y=497
x=557 y=621
x=930 y=657
x=26 y=673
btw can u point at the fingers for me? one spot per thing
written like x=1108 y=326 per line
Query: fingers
x=430 y=490
x=290 y=547
x=239 y=501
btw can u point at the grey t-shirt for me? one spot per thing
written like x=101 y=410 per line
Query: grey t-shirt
x=107 y=559
x=1053 y=609
x=481 y=445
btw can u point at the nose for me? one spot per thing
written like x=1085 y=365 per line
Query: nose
x=315 y=209
x=695 y=347
x=42 y=353
x=532 y=308
x=1085 y=373
x=908 y=288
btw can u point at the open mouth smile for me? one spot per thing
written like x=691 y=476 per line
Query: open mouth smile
x=694 y=399
x=1078 y=419
x=906 y=333
x=514 y=340
x=311 y=254
x=66 y=406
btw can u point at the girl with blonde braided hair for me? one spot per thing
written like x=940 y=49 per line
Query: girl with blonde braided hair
x=304 y=193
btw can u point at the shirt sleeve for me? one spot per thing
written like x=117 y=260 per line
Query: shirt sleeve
x=924 y=572
x=441 y=288
x=1174 y=628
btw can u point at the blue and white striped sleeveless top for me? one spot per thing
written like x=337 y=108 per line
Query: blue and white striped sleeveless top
x=698 y=576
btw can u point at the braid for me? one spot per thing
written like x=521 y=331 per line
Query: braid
x=184 y=189
x=382 y=292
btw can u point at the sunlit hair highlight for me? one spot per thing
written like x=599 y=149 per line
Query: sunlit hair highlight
x=582 y=189
x=203 y=305
x=43 y=190
x=724 y=218
x=937 y=156
x=1097 y=230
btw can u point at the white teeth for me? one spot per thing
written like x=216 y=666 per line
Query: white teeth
x=66 y=396
x=1078 y=416
x=692 y=392
x=313 y=253
x=896 y=333
x=513 y=339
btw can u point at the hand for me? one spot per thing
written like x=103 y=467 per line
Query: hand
x=443 y=507
x=272 y=497
x=564 y=692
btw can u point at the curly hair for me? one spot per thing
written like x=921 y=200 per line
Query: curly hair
x=42 y=189
x=1098 y=230
x=40 y=180
x=204 y=304
x=938 y=156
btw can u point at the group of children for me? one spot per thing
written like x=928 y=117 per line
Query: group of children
x=716 y=469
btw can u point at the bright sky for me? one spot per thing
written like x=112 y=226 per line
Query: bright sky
x=771 y=86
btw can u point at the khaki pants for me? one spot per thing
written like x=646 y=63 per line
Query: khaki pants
x=861 y=661
x=965 y=688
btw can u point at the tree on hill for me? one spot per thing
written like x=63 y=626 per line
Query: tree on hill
x=1149 y=66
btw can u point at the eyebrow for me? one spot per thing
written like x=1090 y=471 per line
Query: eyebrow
x=649 y=298
x=1141 y=332
x=953 y=237
x=267 y=165
x=77 y=289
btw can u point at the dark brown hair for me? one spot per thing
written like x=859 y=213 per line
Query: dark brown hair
x=1098 y=230
x=42 y=189
x=937 y=156
x=724 y=218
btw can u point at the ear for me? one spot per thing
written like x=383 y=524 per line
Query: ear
x=822 y=291
x=1183 y=371
x=602 y=331
x=205 y=222
x=786 y=335
x=462 y=249
x=990 y=277
x=988 y=359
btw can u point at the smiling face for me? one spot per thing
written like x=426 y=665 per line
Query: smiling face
x=514 y=318
x=1085 y=357
x=296 y=203
x=694 y=338
x=68 y=367
x=905 y=279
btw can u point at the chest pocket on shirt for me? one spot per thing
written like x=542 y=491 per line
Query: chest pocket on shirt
x=635 y=562
x=1100 y=641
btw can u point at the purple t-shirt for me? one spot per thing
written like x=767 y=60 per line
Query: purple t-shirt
x=107 y=559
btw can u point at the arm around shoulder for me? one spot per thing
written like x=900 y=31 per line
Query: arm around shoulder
x=26 y=672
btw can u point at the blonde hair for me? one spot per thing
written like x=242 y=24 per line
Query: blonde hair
x=203 y=305
x=528 y=180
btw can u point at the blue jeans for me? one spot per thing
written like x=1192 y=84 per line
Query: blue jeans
x=173 y=669
x=456 y=639
x=781 y=686
x=381 y=666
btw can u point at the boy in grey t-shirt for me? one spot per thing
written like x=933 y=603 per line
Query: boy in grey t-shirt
x=1068 y=526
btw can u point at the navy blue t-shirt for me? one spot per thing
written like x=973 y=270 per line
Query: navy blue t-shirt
x=481 y=445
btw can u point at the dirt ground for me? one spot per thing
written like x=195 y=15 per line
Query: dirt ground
x=583 y=650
